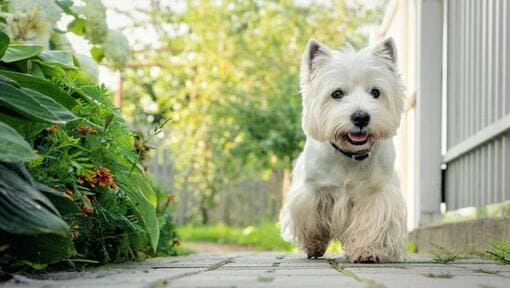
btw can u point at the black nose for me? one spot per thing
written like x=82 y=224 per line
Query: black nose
x=360 y=119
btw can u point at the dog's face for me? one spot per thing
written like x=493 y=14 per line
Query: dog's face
x=351 y=98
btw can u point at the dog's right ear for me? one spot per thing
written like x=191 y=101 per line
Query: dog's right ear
x=314 y=50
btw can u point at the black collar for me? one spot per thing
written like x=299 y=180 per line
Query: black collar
x=361 y=155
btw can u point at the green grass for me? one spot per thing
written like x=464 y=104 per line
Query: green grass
x=265 y=236
x=442 y=255
x=500 y=251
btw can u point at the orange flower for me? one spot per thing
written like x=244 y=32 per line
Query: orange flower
x=68 y=194
x=176 y=242
x=103 y=177
x=86 y=207
x=87 y=180
x=86 y=130
x=52 y=128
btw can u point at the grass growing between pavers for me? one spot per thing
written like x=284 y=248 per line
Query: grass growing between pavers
x=438 y=275
x=442 y=255
x=500 y=251
x=368 y=282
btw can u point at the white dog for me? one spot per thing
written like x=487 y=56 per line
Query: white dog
x=343 y=184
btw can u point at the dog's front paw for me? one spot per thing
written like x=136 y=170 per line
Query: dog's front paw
x=315 y=253
x=368 y=259
x=371 y=256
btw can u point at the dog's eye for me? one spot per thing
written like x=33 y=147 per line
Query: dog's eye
x=375 y=93
x=337 y=94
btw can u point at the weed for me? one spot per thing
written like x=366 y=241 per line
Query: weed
x=442 y=255
x=500 y=251
x=438 y=275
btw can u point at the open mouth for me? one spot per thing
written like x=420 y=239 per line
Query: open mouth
x=357 y=138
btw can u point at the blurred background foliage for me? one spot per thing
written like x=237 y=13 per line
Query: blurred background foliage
x=226 y=75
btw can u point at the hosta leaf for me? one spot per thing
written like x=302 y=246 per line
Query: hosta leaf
x=43 y=86
x=4 y=43
x=145 y=210
x=41 y=248
x=23 y=209
x=18 y=101
x=13 y=148
x=9 y=81
x=63 y=59
x=56 y=109
x=16 y=52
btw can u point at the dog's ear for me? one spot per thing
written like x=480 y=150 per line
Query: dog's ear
x=314 y=49
x=386 y=50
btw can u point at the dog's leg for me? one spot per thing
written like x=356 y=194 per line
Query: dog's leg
x=376 y=227
x=306 y=220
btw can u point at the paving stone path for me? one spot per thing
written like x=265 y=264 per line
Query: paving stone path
x=273 y=269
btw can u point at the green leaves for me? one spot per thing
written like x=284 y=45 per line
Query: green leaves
x=33 y=105
x=4 y=43
x=63 y=59
x=137 y=189
x=43 y=86
x=13 y=148
x=17 y=52
x=77 y=26
x=23 y=208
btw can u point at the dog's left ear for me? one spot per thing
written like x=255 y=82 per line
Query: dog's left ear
x=386 y=50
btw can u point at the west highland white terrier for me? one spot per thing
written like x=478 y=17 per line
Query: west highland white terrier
x=343 y=184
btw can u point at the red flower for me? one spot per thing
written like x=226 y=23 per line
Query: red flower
x=86 y=207
x=104 y=177
x=52 y=128
x=68 y=194
x=86 y=130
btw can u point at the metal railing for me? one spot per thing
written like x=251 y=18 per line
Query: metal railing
x=477 y=95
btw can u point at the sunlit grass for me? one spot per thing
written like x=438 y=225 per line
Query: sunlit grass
x=265 y=236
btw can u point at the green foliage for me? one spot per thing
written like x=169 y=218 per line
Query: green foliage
x=265 y=236
x=17 y=52
x=13 y=148
x=24 y=210
x=443 y=255
x=84 y=195
x=500 y=251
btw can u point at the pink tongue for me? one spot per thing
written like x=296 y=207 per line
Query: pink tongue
x=357 y=137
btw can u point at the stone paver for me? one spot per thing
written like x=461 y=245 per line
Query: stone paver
x=277 y=269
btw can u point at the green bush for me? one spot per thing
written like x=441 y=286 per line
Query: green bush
x=72 y=188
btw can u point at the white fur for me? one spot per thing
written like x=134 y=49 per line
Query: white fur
x=333 y=196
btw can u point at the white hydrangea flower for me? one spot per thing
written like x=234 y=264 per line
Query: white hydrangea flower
x=96 y=29
x=32 y=21
x=116 y=49
x=88 y=66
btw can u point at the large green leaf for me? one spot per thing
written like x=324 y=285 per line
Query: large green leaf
x=63 y=59
x=24 y=104
x=13 y=148
x=145 y=210
x=4 y=43
x=43 y=86
x=24 y=209
x=40 y=248
x=16 y=52
x=56 y=109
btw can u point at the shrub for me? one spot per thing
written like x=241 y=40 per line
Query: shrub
x=72 y=188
